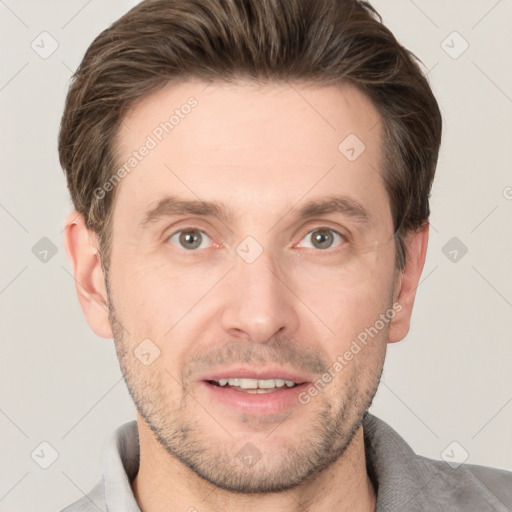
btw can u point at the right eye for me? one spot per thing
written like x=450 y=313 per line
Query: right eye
x=190 y=239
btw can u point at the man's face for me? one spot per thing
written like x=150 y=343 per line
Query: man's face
x=249 y=244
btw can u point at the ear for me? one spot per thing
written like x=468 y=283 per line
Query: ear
x=416 y=243
x=81 y=246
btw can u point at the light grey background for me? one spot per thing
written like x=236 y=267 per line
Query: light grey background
x=450 y=380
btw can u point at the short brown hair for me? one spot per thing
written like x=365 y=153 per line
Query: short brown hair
x=313 y=41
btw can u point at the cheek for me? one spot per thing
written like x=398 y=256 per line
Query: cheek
x=344 y=294
x=346 y=301
x=151 y=298
x=356 y=347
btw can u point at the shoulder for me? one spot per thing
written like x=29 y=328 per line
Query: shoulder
x=407 y=481
x=469 y=486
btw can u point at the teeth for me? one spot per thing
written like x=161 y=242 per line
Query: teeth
x=245 y=383
x=256 y=383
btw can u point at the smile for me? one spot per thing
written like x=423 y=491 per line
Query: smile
x=254 y=386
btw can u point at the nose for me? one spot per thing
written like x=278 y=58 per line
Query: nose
x=259 y=304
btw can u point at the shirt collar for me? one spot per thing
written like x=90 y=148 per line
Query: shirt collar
x=398 y=474
x=121 y=463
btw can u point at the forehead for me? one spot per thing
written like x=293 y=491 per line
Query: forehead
x=250 y=145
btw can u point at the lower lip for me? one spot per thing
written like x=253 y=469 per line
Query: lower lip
x=259 y=404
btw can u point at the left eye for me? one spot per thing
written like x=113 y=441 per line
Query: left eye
x=321 y=239
x=190 y=239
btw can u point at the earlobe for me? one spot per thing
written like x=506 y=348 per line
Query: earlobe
x=82 y=249
x=416 y=243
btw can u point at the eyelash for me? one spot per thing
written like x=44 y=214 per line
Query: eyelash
x=343 y=237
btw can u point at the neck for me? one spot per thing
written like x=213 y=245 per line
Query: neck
x=163 y=483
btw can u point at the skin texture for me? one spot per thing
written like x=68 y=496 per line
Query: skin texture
x=264 y=152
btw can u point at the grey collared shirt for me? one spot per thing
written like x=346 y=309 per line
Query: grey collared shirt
x=404 y=481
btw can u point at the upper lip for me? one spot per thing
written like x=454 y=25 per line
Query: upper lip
x=246 y=372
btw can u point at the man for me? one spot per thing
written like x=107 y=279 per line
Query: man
x=251 y=184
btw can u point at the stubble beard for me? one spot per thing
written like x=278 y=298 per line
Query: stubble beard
x=184 y=437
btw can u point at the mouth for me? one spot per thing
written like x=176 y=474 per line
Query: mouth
x=258 y=393
x=254 y=386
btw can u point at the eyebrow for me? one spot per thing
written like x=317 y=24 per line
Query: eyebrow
x=171 y=205
x=335 y=204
